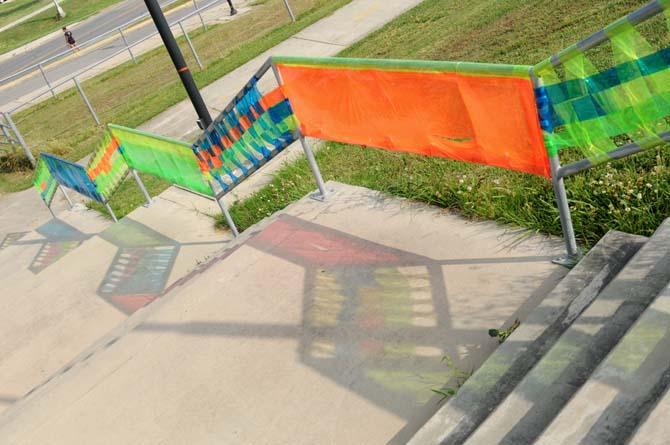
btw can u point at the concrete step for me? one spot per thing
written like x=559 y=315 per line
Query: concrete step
x=491 y=383
x=318 y=325
x=654 y=429
x=624 y=388
x=545 y=390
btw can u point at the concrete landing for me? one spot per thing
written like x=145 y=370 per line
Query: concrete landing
x=327 y=323
x=74 y=279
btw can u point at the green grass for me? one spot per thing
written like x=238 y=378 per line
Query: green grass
x=10 y=12
x=632 y=195
x=46 y=22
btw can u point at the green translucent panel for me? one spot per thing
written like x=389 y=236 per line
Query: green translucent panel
x=44 y=182
x=165 y=158
x=635 y=106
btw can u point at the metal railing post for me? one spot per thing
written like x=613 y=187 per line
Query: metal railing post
x=195 y=5
x=125 y=42
x=86 y=101
x=44 y=75
x=309 y=154
x=321 y=196
x=140 y=184
x=19 y=137
x=572 y=251
x=67 y=197
x=111 y=212
x=5 y=134
x=226 y=213
x=573 y=254
x=190 y=44
x=290 y=11
x=53 y=215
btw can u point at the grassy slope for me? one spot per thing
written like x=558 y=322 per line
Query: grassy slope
x=10 y=12
x=46 y=22
x=631 y=195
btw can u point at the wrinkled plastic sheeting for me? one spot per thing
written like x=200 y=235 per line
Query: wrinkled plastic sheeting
x=489 y=118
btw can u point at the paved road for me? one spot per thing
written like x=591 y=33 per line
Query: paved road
x=105 y=21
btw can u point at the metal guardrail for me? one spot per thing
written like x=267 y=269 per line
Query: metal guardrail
x=68 y=52
x=51 y=87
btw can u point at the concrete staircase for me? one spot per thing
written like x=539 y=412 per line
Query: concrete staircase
x=590 y=365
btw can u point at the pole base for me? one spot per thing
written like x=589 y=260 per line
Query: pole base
x=568 y=261
x=318 y=196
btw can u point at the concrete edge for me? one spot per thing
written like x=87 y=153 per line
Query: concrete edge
x=507 y=366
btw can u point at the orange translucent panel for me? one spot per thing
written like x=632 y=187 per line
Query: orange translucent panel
x=485 y=119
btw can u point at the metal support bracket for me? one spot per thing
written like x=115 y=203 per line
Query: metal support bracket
x=568 y=261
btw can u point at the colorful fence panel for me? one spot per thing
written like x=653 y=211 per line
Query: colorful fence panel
x=463 y=111
x=163 y=157
x=107 y=168
x=71 y=175
x=250 y=132
x=44 y=181
x=596 y=110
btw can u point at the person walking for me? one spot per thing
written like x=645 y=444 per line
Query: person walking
x=233 y=11
x=69 y=39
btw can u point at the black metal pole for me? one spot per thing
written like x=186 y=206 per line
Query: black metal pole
x=179 y=62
